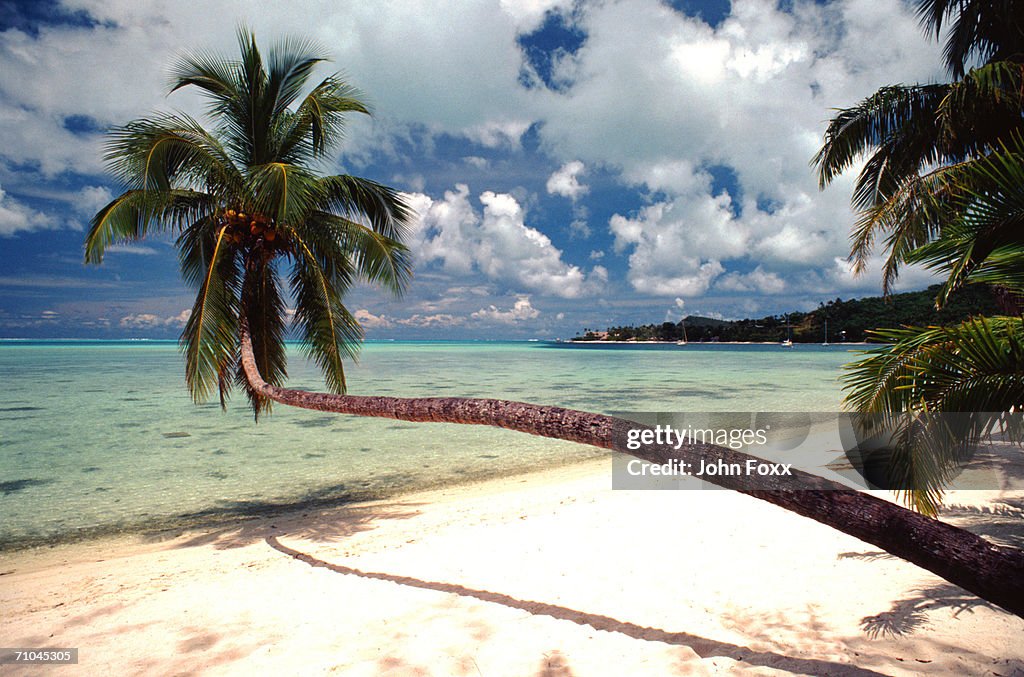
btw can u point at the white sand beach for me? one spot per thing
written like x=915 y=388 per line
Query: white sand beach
x=546 y=574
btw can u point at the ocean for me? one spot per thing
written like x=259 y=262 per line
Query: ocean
x=101 y=437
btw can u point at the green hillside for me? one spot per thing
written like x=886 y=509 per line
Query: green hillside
x=847 y=320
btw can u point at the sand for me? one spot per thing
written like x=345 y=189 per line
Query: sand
x=546 y=574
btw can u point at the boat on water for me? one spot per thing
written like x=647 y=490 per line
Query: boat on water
x=788 y=343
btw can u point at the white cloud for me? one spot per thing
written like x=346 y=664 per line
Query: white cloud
x=498 y=133
x=662 y=98
x=565 y=181
x=152 y=321
x=371 y=321
x=579 y=228
x=476 y=161
x=417 y=320
x=758 y=280
x=91 y=199
x=528 y=14
x=496 y=242
x=436 y=320
x=668 y=99
x=16 y=217
x=677 y=247
x=520 y=310
x=131 y=249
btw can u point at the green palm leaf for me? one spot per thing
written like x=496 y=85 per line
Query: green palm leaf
x=329 y=332
x=939 y=390
x=210 y=337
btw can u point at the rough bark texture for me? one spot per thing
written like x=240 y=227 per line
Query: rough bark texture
x=992 y=572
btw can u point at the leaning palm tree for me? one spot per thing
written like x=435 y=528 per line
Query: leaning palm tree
x=247 y=207
x=253 y=218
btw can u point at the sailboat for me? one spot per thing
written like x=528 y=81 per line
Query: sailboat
x=683 y=342
x=826 y=334
x=788 y=343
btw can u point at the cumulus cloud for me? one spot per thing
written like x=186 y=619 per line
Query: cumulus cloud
x=16 y=217
x=495 y=242
x=416 y=320
x=677 y=247
x=758 y=280
x=152 y=321
x=371 y=321
x=752 y=96
x=138 y=250
x=565 y=181
x=520 y=310
x=663 y=101
x=91 y=199
x=435 y=320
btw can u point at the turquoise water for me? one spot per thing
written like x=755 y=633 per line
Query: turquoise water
x=102 y=437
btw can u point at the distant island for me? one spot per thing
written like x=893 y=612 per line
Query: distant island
x=848 y=321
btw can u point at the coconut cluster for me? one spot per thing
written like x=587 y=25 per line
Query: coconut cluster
x=242 y=226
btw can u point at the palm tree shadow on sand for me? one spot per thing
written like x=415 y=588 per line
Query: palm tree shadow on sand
x=1002 y=523
x=910 y=614
x=702 y=646
x=321 y=523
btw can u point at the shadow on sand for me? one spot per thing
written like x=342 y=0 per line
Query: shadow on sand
x=702 y=646
x=910 y=614
x=319 y=525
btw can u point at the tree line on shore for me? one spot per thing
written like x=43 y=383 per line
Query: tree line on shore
x=848 y=321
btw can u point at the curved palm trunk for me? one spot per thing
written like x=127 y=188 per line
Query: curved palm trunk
x=992 y=572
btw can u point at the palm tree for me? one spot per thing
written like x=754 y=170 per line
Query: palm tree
x=911 y=136
x=943 y=183
x=979 y=30
x=941 y=389
x=907 y=132
x=246 y=204
x=249 y=209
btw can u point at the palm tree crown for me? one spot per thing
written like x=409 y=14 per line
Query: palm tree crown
x=253 y=218
x=911 y=135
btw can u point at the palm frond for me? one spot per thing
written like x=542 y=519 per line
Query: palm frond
x=246 y=204
x=130 y=216
x=210 y=337
x=170 y=151
x=319 y=122
x=375 y=258
x=385 y=209
x=285 y=192
x=985 y=223
x=891 y=112
x=982 y=30
x=329 y=332
x=290 y=63
x=939 y=390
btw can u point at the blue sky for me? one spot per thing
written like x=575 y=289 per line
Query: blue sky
x=573 y=164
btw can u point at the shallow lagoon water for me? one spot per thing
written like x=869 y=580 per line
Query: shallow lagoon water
x=102 y=437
